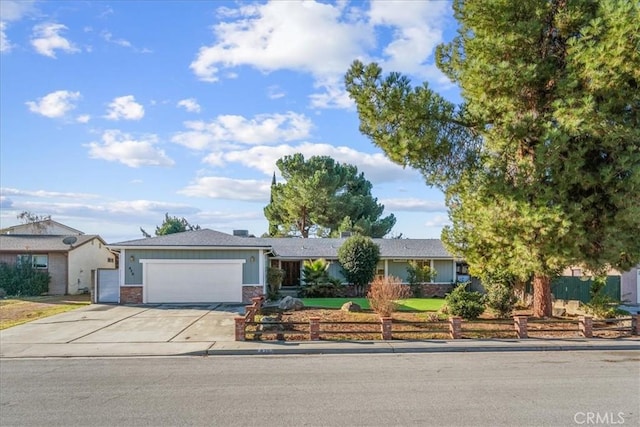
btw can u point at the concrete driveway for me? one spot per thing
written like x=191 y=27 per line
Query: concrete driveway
x=114 y=330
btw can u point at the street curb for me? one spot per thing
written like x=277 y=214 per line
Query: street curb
x=398 y=348
x=232 y=348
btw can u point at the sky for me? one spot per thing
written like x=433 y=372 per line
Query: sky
x=115 y=113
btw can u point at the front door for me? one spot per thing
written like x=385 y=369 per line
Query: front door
x=291 y=273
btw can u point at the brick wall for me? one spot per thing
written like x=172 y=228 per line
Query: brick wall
x=430 y=290
x=249 y=292
x=131 y=295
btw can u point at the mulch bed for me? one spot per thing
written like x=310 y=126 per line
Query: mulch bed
x=368 y=327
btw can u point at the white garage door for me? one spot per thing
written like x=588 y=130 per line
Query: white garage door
x=192 y=281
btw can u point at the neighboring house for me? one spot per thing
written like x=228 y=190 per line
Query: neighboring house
x=47 y=226
x=630 y=286
x=210 y=266
x=71 y=261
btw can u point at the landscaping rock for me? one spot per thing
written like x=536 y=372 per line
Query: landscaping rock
x=270 y=323
x=559 y=311
x=290 y=303
x=351 y=306
x=559 y=303
x=573 y=308
x=270 y=307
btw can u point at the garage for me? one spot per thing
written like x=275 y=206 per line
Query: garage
x=192 y=281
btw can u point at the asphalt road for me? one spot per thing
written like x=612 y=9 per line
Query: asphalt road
x=437 y=389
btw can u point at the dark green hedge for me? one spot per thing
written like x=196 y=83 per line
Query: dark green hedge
x=23 y=280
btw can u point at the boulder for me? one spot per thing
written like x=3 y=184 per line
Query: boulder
x=351 y=306
x=290 y=303
x=270 y=323
x=559 y=311
x=559 y=303
x=573 y=308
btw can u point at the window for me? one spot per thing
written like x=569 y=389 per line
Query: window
x=462 y=268
x=110 y=260
x=422 y=262
x=380 y=270
x=40 y=262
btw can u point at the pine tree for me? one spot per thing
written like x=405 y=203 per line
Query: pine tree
x=540 y=164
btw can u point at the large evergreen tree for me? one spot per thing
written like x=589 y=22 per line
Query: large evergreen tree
x=540 y=164
x=323 y=197
x=171 y=225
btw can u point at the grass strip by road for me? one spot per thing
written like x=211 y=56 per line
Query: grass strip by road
x=410 y=304
x=16 y=311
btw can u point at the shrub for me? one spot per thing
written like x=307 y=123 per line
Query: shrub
x=500 y=286
x=384 y=294
x=23 y=280
x=358 y=257
x=324 y=290
x=463 y=303
x=602 y=305
x=274 y=280
x=318 y=282
x=315 y=272
x=500 y=298
x=418 y=274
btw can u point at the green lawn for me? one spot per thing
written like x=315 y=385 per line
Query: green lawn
x=411 y=304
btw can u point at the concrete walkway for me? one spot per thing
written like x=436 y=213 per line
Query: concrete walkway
x=172 y=330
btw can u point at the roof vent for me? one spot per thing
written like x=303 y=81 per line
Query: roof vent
x=241 y=233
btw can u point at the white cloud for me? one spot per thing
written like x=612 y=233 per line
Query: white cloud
x=55 y=104
x=438 y=221
x=14 y=10
x=189 y=104
x=231 y=129
x=228 y=188
x=45 y=194
x=334 y=94
x=146 y=206
x=413 y=205
x=84 y=118
x=275 y=92
x=258 y=36
x=376 y=167
x=121 y=147
x=108 y=37
x=46 y=39
x=5 y=44
x=417 y=30
x=125 y=107
x=100 y=211
x=6 y=203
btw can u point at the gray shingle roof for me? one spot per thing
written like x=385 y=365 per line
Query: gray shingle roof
x=204 y=237
x=40 y=242
x=328 y=248
x=291 y=247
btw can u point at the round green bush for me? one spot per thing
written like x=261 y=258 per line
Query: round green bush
x=468 y=305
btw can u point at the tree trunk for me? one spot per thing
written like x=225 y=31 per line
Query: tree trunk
x=542 y=296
